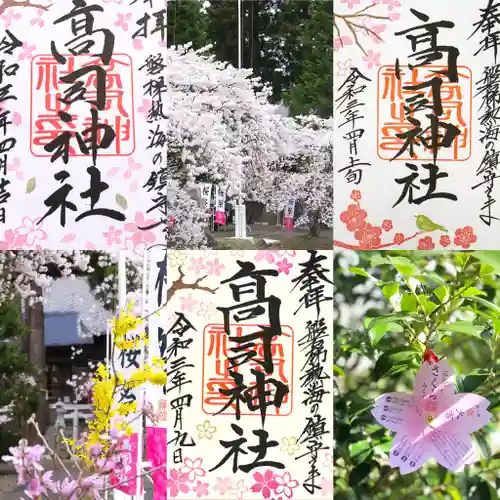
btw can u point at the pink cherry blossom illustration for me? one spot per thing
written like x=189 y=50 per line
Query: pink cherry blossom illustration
x=350 y=3
x=285 y=484
x=112 y=235
x=11 y=240
x=9 y=17
x=326 y=487
x=188 y=303
x=89 y=245
x=193 y=469
x=137 y=44
x=372 y=59
x=27 y=52
x=223 y=484
x=214 y=267
x=268 y=255
x=177 y=483
x=68 y=238
x=264 y=483
x=141 y=235
x=132 y=165
x=38 y=21
x=201 y=489
x=284 y=266
x=15 y=166
x=433 y=421
x=122 y=21
x=31 y=230
x=145 y=107
x=196 y=265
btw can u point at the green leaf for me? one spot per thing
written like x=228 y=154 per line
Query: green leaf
x=442 y=293
x=390 y=290
x=472 y=292
x=408 y=302
x=378 y=331
x=403 y=265
x=395 y=361
x=359 y=474
x=121 y=201
x=454 y=492
x=485 y=303
x=360 y=451
x=466 y=327
x=472 y=381
x=491 y=258
x=31 y=185
x=338 y=371
x=483 y=445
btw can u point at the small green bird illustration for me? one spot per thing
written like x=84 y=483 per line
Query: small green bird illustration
x=427 y=226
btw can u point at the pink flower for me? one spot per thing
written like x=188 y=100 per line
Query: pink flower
x=399 y=238
x=49 y=483
x=68 y=487
x=430 y=418
x=376 y=32
x=122 y=21
x=369 y=237
x=35 y=489
x=112 y=235
x=285 y=484
x=445 y=240
x=387 y=225
x=11 y=241
x=137 y=44
x=269 y=255
x=31 y=230
x=284 y=266
x=264 y=483
x=38 y=21
x=372 y=59
x=215 y=267
x=465 y=237
x=92 y=485
x=145 y=108
x=197 y=265
x=132 y=165
x=391 y=4
x=177 y=483
x=350 y=3
x=356 y=195
x=342 y=41
x=15 y=166
x=187 y=303
x=354 y=218
x=141 y=235
x=343 y=67
x=394 y=16
x=327 y=487
x=223 y=484
x=27 y=52
x=201 y=489
x=426 y=243
x=10 y=16
x=193 y=468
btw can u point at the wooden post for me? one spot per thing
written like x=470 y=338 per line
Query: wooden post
x=36 y=354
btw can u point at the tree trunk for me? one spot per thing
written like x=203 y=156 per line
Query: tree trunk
x=36 y=354
x=314 y=225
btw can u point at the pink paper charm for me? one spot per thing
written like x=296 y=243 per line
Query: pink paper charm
x=433 y=421
x=128 y=466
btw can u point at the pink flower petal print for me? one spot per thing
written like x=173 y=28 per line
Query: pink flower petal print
x=137 y=44
x=68 y=238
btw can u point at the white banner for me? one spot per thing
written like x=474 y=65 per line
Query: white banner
x=206 y=194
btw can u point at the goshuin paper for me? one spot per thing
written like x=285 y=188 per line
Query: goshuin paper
x=416 y=140
x=81 y=126
x=433 y=422
x=247 y=340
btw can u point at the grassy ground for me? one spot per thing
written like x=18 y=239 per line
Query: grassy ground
x=287 y=240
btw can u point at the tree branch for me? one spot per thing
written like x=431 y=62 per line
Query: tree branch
x=8 y=4
x=180 y=284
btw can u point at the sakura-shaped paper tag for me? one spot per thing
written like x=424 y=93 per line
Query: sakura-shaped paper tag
x=433 y=421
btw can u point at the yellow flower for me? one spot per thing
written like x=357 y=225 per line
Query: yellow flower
x=289 y=445
x=205 y=430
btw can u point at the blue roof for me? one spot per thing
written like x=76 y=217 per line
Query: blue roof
x=62 y=329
